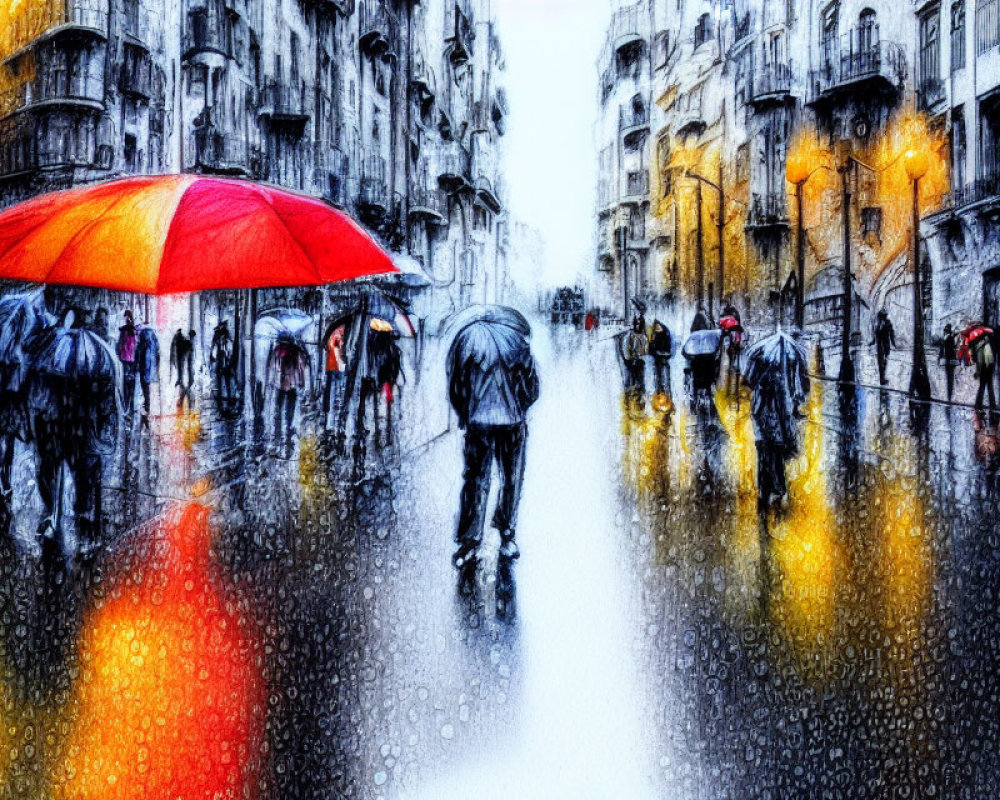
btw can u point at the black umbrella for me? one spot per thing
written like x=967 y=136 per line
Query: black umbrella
x=702 y=343
x=493 y=314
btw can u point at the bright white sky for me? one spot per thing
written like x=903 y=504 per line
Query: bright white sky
x=551 y=48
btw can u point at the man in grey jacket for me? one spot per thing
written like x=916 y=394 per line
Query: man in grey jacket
x=492 y=383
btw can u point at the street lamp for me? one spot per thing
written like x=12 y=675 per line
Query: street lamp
x=797 y=172
x=845 y=162
x=915 y=162
x=721 y=225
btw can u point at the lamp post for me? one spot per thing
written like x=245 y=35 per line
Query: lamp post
x=915 y=163
x=845 y=162
x=721 y=227
x=797 y=172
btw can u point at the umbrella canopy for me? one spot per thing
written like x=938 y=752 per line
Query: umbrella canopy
x=21 y=316
x=498 y=315
x=702 y=343
x=778 y=356
x=287 y=321
x=183 y=233
x=378 y=306
x=975 y=332
x=77 y=354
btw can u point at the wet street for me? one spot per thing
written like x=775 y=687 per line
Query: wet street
x=666 y=639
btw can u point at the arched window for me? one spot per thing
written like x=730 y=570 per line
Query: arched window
x=638 y=110
x=867 y=31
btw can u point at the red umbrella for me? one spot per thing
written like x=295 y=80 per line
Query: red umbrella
x=970 y=336
x=183 y=233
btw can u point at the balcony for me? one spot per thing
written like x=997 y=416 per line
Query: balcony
x=217 y=152
x=461 y=34
x=207 y=31
x=771 y=85
x=454 y=168
x=633 y=124
x=858 y=63
x=982 y=194
x=68 y=141
x=343 y=7
x=374 y=198
x=82 y=20
x=49 y=89
x=135 y=24
x=691 y=122
x=626 y=29
x=379 y=29
x=284 y=105
x=767 y=212
x=428 y=203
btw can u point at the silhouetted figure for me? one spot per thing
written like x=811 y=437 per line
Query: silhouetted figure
x=948 y=358
x=776 y=373
x=128 y=339
x=147 y=360
x=984 y=359
x=286 y=368
x=182 y=361
x=335 y=372
x=661 y=348
x=492 y=383
x=884 y=341
x=222 y=362
x=636 y=346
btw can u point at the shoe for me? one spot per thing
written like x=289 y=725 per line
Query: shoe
x=467 y=577
x=463 y=556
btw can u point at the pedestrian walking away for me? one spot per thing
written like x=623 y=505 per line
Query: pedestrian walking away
x=776 y=374
x=287 y=366
x=335 y=373
x=979 y=343
x=127 y=340
x=636 y=347
x=492 y=383
x=222 y=363
x=182 y=360
x=948 y=358
x=661 y=348
x=884 y=340
x=147 y=359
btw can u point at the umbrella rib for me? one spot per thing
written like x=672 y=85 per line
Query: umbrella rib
x=82 y=230
x=288 y=232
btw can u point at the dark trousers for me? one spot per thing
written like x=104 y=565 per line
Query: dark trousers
x=770 y=471
x=986 y=385
x=144 y=385
x=128 y=384
x=949 y=378
x=86 y=470
x=636 y=375
x=882 y=356
x=286 y=399
x=661 y=366
x=504 y=444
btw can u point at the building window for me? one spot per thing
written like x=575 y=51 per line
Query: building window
x=295 y=59
x=931 y=87
x=703 y=30
x=989 y=139
x=958 y=35
x=663 y=164
x=958 y=149
x=828 y=35
x=871 y=222
x=662 y=49
x=987 y=25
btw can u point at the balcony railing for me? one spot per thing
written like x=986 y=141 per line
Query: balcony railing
x=767 y=211
x=626 y=27
x=982 y=190
x=454 y=167
x=81 y=17
x=772 y=82
x=46 y=90
x=212 y=150
x=207 y=30
x=857 y=58
x=631 y=119
x=379 y=27
x=428 y=203
x=374 y=183
x=283 y=102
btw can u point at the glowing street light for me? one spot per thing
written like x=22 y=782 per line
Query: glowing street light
x=916 y=163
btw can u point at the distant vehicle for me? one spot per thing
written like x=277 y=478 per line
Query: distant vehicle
x=568 y=306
